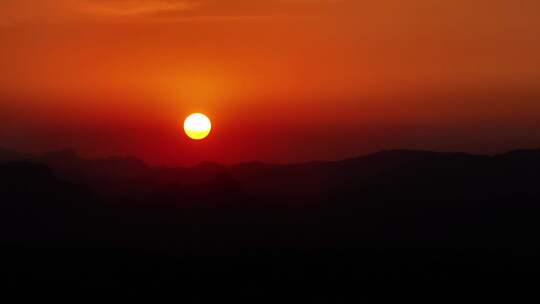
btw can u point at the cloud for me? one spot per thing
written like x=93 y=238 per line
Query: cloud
x=207 y=9
x=134 y=7
x=36 y=11
x=421 y=13
x=17 y=11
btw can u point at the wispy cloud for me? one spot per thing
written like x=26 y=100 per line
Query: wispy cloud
x=134 y=7
x=14 y=11
x=24 y=11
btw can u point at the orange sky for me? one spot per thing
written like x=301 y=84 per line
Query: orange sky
x=283 y=80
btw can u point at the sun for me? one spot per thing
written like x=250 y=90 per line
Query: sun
x=197 y=126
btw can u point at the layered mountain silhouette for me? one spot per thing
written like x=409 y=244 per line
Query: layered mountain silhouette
x=395 y=213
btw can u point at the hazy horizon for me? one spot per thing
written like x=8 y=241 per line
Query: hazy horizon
x=282 y=80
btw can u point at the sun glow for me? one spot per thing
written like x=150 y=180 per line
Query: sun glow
x=197 y=126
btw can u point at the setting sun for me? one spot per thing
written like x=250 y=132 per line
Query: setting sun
x=197 y=126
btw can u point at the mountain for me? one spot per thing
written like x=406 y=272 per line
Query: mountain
x=393 y=214
x=297 y=184
x=10 y=155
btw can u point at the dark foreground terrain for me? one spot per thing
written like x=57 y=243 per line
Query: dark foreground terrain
x=323 y=230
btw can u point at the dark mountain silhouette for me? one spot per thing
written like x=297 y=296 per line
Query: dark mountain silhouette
x=11 y=155
x=394 y=214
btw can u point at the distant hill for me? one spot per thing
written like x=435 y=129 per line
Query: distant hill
x=393 y=214
x=302 y=183
x=10 y=155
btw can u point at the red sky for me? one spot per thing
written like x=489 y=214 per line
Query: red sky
x=282 y=80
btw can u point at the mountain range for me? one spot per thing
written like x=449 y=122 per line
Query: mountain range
x=396 y=213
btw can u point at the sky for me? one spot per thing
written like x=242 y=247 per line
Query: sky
x=282 y=80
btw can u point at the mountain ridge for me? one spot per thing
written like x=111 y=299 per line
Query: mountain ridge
x=7 y=154
x=301 y=182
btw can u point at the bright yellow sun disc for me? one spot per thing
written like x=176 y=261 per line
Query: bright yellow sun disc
x=197 y=126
